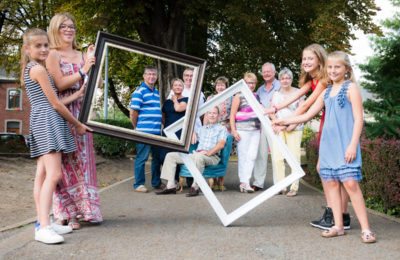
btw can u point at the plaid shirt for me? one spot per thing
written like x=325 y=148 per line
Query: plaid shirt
x=209 y=135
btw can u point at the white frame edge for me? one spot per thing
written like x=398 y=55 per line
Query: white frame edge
x=297 y=172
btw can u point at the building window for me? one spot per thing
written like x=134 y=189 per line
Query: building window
x=14 y=99
x=13 y=126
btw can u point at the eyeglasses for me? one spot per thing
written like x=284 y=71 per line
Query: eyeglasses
x=66 y=27
x=251 y=83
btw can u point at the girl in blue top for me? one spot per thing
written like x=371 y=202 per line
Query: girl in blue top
x=340 y=154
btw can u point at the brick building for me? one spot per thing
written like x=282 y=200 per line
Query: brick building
x=14 y=106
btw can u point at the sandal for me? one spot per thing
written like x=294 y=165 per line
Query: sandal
x=333 y=232
x=291 y=193
x=61 y=222
x=367 y=236
x=74 y=223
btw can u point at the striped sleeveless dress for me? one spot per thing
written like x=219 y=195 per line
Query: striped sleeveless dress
x=48 y=129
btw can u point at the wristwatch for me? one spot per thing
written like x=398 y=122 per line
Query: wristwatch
x=82 y=73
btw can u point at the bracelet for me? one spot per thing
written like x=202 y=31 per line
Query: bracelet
x=275 y=108
x=82 y=73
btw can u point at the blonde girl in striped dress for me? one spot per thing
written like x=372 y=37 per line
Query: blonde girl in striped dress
x=49 y=132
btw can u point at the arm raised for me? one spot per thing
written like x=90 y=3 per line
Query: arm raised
x=304 y=106
x=290 y=99
x=179 y=106
x=314 y=109
x=65 y=82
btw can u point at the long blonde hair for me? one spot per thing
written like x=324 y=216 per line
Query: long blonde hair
x=54 y=35
x=26 y=40
x=343 y=57
x=320 y=52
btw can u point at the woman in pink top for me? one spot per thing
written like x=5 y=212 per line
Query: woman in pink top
x=245 y=128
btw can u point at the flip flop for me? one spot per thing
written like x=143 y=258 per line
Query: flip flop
x=367 y=236
x=333 y=232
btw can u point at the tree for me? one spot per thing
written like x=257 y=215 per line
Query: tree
x=382 y=78
x=15 y=18
x=233 y=36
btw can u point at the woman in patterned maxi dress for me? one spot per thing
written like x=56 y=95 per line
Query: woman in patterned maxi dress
x=76 y=196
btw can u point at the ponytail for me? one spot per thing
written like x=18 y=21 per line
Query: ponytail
x=24 y=62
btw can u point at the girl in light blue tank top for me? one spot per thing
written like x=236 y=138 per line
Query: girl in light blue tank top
x=336 y=138
x=340 y=153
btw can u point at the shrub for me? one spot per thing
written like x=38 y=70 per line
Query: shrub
x=381 y=172
x=308 y=134
x=112 y=147
x=312 y=159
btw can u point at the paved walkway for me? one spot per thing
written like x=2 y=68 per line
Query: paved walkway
x=147 y=226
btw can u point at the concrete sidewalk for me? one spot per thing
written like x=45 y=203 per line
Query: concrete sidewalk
x=147 y=226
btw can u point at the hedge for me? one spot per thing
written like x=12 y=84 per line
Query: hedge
x=380 y=171
x=112 y=147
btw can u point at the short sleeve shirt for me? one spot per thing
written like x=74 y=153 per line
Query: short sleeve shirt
x=171 y=116
x=266 y=95
x=146 y=100
x=209 y=135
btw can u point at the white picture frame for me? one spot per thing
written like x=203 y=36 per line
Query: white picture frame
x=297 y=171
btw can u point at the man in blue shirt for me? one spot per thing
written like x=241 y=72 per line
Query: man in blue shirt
x=145 y=115
x=212 y=139
x=265 y=93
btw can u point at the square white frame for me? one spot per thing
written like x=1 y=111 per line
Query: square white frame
x=297 y=171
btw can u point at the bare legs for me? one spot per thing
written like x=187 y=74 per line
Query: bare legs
x=357 y=199
x=37 y=185
x=344 y=194
x=334 y=194
x=48 y=173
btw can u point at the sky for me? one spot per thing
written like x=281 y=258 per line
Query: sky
x=361 y=46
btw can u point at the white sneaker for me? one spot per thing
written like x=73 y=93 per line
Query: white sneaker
x=48 y=236
x=60 y=229
x=141 y=188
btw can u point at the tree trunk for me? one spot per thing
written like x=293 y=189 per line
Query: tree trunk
x=114 y=96
x=165 y=29
x=2 y=18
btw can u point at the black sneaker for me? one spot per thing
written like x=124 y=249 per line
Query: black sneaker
x=346 y=221
x=326 y=222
